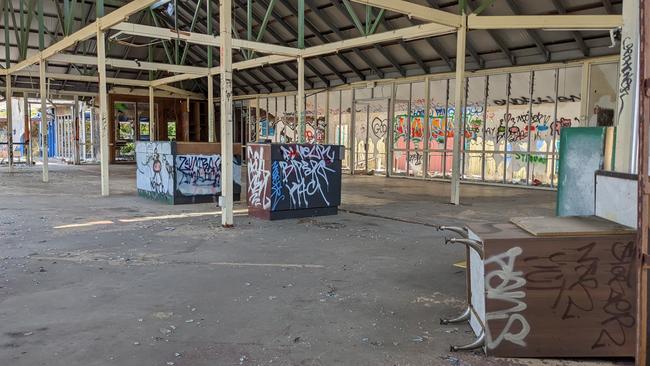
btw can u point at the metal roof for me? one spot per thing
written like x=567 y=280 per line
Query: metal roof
x=325 y=21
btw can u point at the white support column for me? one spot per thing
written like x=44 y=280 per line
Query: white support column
x=82 y=131
x=75 y=131
x=300 y=100
x=44 y=124
x=10 y=127
x=28 y=128
x=153 y=128
x=211 y=126
x=628 y=91
x=103 y=110
x=459 y=92
x=225 y=65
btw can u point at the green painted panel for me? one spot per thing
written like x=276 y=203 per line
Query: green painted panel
x=581 y=154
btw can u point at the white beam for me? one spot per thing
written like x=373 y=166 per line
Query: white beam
x=85 y=78
x=225 y=32
x=158 y=92
x=43 y=124
x=117 y=16
x=182 y=92
x=416 y=11
x=103 y=111
x=203 y=39
x=67 y=58
x=176 y=78
x=459 y=93
x=556 y=22
x=409 y=33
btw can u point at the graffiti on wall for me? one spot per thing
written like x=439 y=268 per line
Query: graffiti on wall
x=536 y=100
x=627 y=72
x=155 y=170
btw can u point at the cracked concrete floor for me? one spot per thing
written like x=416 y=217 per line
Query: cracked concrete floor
x=86 y=280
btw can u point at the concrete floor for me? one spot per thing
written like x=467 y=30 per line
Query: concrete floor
x=132 y=288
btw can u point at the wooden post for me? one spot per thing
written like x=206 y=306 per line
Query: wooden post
x=153 y=133
x=459 y=92
x=300 y=100
x=28 y=128
x=10 y=127
x=211 y=126
x=44 y=124
x=225 y=52
x=75 y=131
x=103 y=110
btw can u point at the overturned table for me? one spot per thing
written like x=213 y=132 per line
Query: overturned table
x=550 y=287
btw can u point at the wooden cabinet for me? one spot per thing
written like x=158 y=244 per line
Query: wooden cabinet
x=550 y=296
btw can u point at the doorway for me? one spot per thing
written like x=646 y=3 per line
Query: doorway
x=370 y=142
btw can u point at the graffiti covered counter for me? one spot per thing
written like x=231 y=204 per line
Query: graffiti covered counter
x=550 y=296
x=183 y=172
x=293 y=180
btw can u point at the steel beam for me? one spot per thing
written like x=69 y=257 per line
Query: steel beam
x=576 y=35
x=531 y=33
x=103 y=23
x=202 y=39
x=416 y=11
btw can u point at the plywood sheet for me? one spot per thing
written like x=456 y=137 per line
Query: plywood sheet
x=570 y=226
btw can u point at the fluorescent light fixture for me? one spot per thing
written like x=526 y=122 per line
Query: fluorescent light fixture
x=159 y=4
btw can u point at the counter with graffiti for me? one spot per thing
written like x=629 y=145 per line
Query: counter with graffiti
x=293 y=180
x=183 y=172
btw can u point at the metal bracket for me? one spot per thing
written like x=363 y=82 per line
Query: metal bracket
x=462 y=231
x=479 y=342
x=461 y=318
x=476 y=245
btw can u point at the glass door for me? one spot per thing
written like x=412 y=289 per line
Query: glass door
x=401 y=131
x=370 y=135
x=125 y=131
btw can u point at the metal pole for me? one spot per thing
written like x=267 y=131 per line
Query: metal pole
x=153 y=129
x=75 y=130
x=44 y=124
x=103 y=110
x=300 y=99
x=458 y=102
x=225 y=65
x=10 y=127
x=211 y=126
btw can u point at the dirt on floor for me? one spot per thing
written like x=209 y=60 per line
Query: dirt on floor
x=87 y=280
